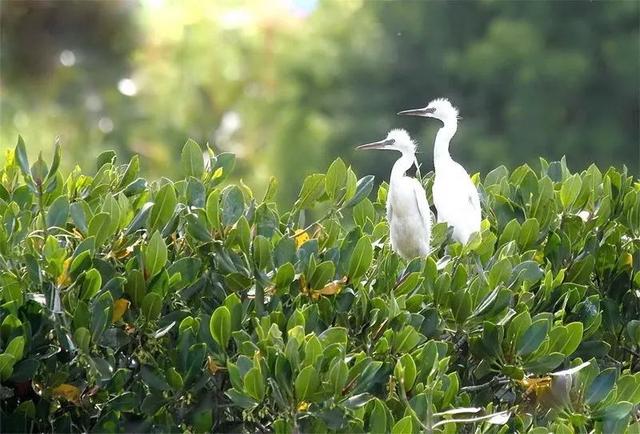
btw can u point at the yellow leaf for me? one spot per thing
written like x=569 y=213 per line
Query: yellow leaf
x=212 y=365
x=64 y=279
x=217 y=173
x=67 y=391
x=300 y=237
x=332 y=288
x=120 y=306
x=303 y=406
x=627 y=260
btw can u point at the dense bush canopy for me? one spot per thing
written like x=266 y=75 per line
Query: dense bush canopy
x=191 y=305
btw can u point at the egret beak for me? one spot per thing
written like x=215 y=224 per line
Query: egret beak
x=382 y=144
x=426 y=111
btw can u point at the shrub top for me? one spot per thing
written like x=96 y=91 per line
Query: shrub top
x=191 y=305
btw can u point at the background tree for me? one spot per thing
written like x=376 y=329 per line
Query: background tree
x=290 y=85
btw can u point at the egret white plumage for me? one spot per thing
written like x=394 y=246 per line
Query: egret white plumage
x=454 y=194
x=407 y=206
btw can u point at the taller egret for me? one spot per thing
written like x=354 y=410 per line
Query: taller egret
x=407 y=206
x=454 y=194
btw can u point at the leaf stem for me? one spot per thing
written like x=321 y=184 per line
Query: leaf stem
x=259 y=298
x=42 y=212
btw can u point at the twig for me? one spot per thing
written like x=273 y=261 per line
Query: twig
x=494 y=381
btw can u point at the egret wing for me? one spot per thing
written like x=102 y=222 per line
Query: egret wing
x=474 y=198
x=420 y=197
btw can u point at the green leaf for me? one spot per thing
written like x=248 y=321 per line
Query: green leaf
x=105 y=157
x=335 y=178
x=284 y=276
x=532 y=338
x=151 y=306
x=254 y=384
x=322 y=274
x=126 y=402
x=130 y=172
x=360 y=258
x=212 y=208
x=100 y=228
x=405 y=340
x=82 y=338
x=616 y=411
x=262 y=252
x=232 y=205
x=601 y=386
x=403 y=426
x=363 y=189
x=78 y=216
x=197 y=228
x=135 y=287
x=154 y=255
x=16 y=348
x=21 y=157
x=338 y=374
x=312 y=189
x=153 y=378
x=6 y=365
x=461 y=305
x=111 y=207
x=164 y=206
x=225 y=163
x=220 y=326
x=58 y=212
x=312 y=350
x=91 y=284
x=529 y=233
x=574 y=337
x=570 y=190
x=140 y=219
x=306 y=383
x=378 y=418
x=406 y=371
x=243 y=234
x=192 y=159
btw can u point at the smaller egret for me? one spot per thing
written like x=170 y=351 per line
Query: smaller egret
x=407 y=207
x=454 y=194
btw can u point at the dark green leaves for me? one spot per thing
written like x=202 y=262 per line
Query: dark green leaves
x=174 y=274
x=601 y=386
x=532 y=338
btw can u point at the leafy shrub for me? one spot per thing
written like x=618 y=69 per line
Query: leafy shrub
x=130 y=306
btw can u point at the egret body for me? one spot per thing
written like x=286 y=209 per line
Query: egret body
x=454 y=194
x=407 y=207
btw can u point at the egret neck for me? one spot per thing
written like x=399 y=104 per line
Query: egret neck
x=443 y=138
x=403 y=164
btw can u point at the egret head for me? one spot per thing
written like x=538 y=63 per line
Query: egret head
x=397 y=140
x=439 y=108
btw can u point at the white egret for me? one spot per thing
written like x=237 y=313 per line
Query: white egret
x=407 y=206
x=454 y=194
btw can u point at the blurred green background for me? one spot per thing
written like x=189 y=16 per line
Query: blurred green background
x=289 y=85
